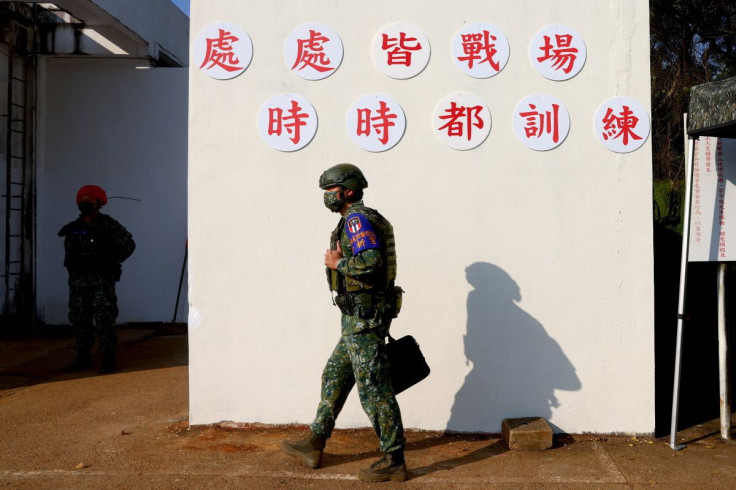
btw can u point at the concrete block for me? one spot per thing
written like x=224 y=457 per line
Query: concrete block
x=527 y=433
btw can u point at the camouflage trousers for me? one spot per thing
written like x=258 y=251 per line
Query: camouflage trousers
x=360 y=358
x=93 y=307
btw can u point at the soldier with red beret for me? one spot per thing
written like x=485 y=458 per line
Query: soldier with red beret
x=95 y=246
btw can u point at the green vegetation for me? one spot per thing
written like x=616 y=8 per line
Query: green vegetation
x=669 y=201
x=691 y=42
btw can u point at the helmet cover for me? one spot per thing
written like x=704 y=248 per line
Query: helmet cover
x=345 y=175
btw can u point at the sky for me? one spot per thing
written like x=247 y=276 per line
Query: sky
x=183 y=5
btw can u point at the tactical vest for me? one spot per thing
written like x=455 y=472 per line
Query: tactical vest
x=98 y=246
x=381 y=279
x=85 y=248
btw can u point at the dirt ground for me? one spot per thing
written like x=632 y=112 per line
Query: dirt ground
x=130 y=430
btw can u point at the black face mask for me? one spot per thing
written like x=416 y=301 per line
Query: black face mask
x=334 y=201
x=87 y=208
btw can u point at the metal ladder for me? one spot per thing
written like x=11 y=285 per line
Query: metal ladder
x=17 y=196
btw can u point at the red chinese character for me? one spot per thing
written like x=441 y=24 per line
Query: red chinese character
x=220 y=52
x=623 y=125
x=401 y=52
x=311 y=53
x=292 y=121
x=540 y=123
x=380 y=123
x=563 y=57
x=461 y=118
x=474 y=44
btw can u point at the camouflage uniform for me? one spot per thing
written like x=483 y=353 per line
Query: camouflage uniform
x=94 y=252
x=365 y=275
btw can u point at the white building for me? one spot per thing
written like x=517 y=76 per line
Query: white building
x=528 y=274
x=96 y=95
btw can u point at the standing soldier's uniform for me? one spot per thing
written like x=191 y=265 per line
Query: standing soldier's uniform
x=95 y=245
x=363 y=278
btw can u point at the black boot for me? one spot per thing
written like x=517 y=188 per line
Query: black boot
x=390 y=467
x=309 y=449
x=81 y=363
x=108 y=361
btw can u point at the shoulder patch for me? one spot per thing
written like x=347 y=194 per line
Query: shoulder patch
x=361 y=234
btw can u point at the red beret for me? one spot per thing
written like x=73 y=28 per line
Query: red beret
x=92 y=190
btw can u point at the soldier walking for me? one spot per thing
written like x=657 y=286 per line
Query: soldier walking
x=95 y=246
x=361 y=269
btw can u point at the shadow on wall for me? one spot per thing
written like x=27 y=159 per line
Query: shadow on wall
x=516 y=366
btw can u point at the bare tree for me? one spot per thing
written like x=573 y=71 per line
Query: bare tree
x=692 y=42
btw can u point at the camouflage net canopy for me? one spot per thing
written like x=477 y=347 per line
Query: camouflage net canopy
x=712 y=109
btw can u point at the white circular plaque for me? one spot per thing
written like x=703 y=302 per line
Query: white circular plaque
x=480 y=49
x=541 y=122
x=400 y=50
x=557 y=52
x=621 y=124
x=313 y=51
x=462 y=121
x=222 y=50
x=376 y=122
x=287 y=122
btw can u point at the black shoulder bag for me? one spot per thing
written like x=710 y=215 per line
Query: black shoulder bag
x=407 y=363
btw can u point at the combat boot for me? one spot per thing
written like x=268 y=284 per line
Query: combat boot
x=108 y=361
x=309 y=449
x=390 y=467
x=81 y=363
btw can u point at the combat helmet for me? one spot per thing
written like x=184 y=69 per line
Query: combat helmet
x=346 y=175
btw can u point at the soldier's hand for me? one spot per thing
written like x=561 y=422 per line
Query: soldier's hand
x=332 y=257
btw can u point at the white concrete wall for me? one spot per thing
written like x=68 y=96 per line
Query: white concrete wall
x=528 y=275
x=110 y=123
